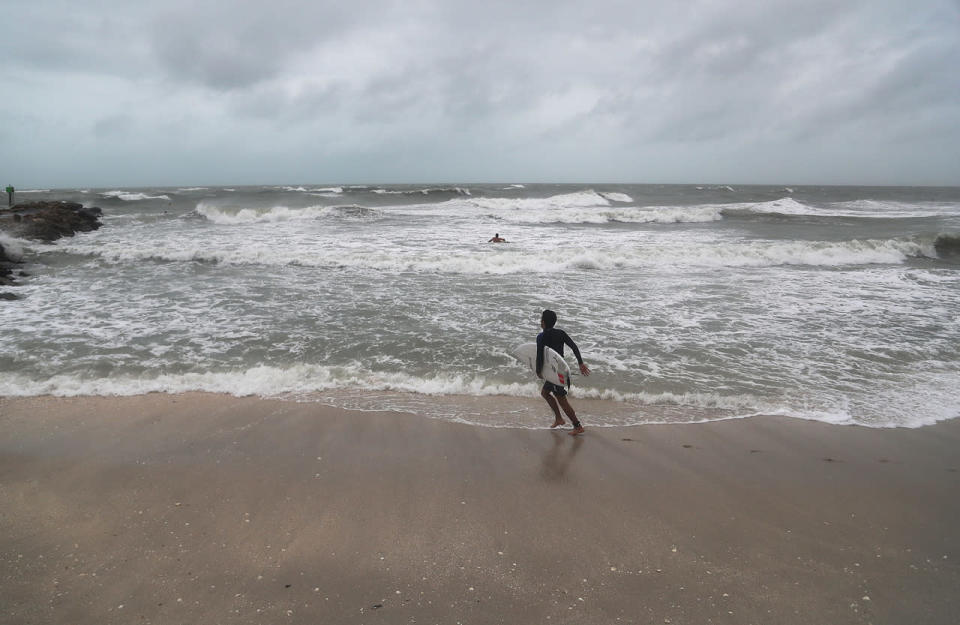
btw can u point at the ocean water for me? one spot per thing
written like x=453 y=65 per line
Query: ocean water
x=688 y=302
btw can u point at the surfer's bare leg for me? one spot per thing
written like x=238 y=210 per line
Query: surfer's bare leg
x=558 y=420
x=568 y=409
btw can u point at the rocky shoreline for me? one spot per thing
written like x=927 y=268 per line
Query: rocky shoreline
x=39 y=221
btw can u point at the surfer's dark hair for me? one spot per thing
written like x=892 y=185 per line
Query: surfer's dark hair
x=549 y=318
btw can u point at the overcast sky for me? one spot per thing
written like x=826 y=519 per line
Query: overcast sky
x=202 y=92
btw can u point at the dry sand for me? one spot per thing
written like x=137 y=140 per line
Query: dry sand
x=211 y=509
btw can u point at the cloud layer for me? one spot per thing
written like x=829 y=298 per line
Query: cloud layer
x=207 y=92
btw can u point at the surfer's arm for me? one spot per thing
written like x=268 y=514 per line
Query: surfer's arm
x=573 y=346
x=584 y=369
x=539 y=354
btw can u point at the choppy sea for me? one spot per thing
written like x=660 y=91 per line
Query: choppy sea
x=689 y=303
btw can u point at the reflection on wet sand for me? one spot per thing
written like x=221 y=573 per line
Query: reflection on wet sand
x=559 y=457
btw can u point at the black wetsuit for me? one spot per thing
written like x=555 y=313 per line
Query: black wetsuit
x=555 y=338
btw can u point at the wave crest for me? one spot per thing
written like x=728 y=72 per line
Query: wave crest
x=452 y=397
x=127 y=196
x=425 y=191
x=520 y=258
x=234 y=215
x=12 y=247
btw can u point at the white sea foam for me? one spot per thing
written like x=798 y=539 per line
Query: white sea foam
x=126 y=196
x=604 y=214
x=322 y=383
x=261 y=380
x=517 y=210
x=856 y=208
x=818 y=253
x=581 y=207
x=784 y=206
x=12 y=247
x=459 y=190
x=424 y=191
x=579 y=199
x=512 y=259
x=234 y=216
x=894 y=210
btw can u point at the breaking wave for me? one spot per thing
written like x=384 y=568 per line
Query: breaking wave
x=127 y=196
x=322 y=191
x=519 y=258
x=11 y=247
x=234 y=215
x=445 y=396
x=579 y=199
x=894 y=210
x=865 y=209
x=617 y=197
x=608 y=214
x=425 y=191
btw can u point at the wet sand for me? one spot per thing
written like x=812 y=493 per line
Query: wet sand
x=211 y=509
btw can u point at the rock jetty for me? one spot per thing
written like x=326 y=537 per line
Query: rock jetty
x=41 y=221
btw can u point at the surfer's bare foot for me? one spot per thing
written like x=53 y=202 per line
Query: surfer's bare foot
x=575 y=431
x=558 y=423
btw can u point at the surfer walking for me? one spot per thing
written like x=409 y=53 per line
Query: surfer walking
x=556 y=395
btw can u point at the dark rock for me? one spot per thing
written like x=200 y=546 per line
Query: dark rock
x=9 y=296
x=49 y=220
x=6 y=268
x=44 y=221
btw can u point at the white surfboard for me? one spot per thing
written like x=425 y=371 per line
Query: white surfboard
x=555 y=368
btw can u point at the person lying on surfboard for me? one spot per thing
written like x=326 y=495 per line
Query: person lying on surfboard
x=496 y=239
x=556 y=396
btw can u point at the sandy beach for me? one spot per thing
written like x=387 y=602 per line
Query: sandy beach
x=205 y=508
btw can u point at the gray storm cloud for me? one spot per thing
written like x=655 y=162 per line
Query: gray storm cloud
x=801 y=92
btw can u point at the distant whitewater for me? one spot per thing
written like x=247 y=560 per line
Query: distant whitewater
x=689 y=302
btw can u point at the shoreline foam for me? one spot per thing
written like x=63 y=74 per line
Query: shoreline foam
x=504 y=405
